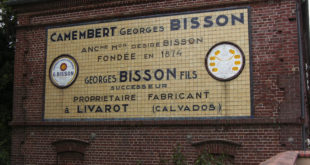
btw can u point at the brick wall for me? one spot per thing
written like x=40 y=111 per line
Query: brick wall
x=276 y=125
x=150 y=145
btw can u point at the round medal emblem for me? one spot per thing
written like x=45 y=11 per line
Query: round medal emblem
x=225 y=61
x=63 y=71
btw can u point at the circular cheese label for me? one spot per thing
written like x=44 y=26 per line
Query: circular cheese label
x=63 y=71
x=225 y=61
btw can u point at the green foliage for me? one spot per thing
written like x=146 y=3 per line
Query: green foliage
x=162 y=160
x=178 y=158
x=203 y=159
x=7 y=47
x=209 y=159
x=139 y=162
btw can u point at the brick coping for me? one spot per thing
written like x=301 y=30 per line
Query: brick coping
x=286 y=158
x=248 y=121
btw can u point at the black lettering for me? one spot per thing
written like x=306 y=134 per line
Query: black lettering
x=125 y=107
x=91 y=108
x=59 y=38
x=99 y=109
x=208 y=22
x=79 y=110
x=67 y=36
x=137 y=73
x=147 y=74
x=175 y=24
x=148 y=30
x=185 y=23
x=172 y=73
x=195 y=107
x=161 y=28
x=105 y=32
x=67 y=110
x=204 y=107
x=235 y=18
x=218 y=22
x=142 y=30
x=82 y=35
x=187 y=108
x=195 y=23
x=162 y=74
x=116 y=108
x=122 y=76
x=98 y=33
x=122 y=31
x=90 y=33
x=212 y=107
x=107 y=108
x=194 y=74
x=74 y=35
x=52 y=37
x=112 y=30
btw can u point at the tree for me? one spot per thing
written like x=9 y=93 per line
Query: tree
x=7 y=51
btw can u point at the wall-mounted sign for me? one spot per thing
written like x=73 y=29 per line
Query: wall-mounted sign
x=225 y=61
x=63 y=71
x=181 y=66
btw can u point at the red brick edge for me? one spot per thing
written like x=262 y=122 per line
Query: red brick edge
x=70 y=145
x=217 y=146
x=248 y=121
x=286 y=158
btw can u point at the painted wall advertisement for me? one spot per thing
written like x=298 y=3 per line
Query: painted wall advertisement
x=182 y=66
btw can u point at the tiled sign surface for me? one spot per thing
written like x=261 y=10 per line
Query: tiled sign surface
x=181 y=66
